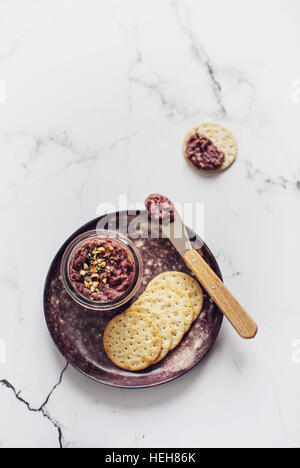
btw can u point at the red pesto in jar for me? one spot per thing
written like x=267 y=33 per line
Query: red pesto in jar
x=102 y=270
x=160 y=209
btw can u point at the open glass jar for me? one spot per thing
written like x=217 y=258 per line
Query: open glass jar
x=101 y=270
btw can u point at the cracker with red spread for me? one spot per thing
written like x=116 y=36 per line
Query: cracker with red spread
x=210 y=147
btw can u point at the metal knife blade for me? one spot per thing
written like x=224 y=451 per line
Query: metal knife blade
x=177 y=233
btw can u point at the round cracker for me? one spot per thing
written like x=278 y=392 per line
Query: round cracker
x=185 y=283
x=221 y=137
x=173 y=305
x=180 y=299
x=132 y=341
x=166 y=309
x=164 y=327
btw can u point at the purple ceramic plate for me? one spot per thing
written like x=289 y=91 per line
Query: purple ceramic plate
x=77 y=332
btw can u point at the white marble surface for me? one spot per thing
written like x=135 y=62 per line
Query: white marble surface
x=99 y=95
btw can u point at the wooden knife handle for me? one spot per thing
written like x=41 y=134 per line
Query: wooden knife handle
x=237 y=316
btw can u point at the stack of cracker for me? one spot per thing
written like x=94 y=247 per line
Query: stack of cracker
x=156 y=323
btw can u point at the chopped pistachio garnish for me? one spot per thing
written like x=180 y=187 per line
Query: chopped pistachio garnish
x=94 y=266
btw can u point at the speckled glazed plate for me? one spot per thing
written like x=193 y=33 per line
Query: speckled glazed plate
x=77 y=332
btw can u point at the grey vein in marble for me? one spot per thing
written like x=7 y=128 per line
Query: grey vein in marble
x=155 y=86
x=8 y=55
x=135 y=63
x=63 y=139
x=42 y=409
x=139 y=73
x=89 y=155
x=143 y=75
x=225 y=258
x=201 y=56
x=257 y=175
x=281 y=417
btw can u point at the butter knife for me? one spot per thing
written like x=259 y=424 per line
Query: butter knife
x=233 y=311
